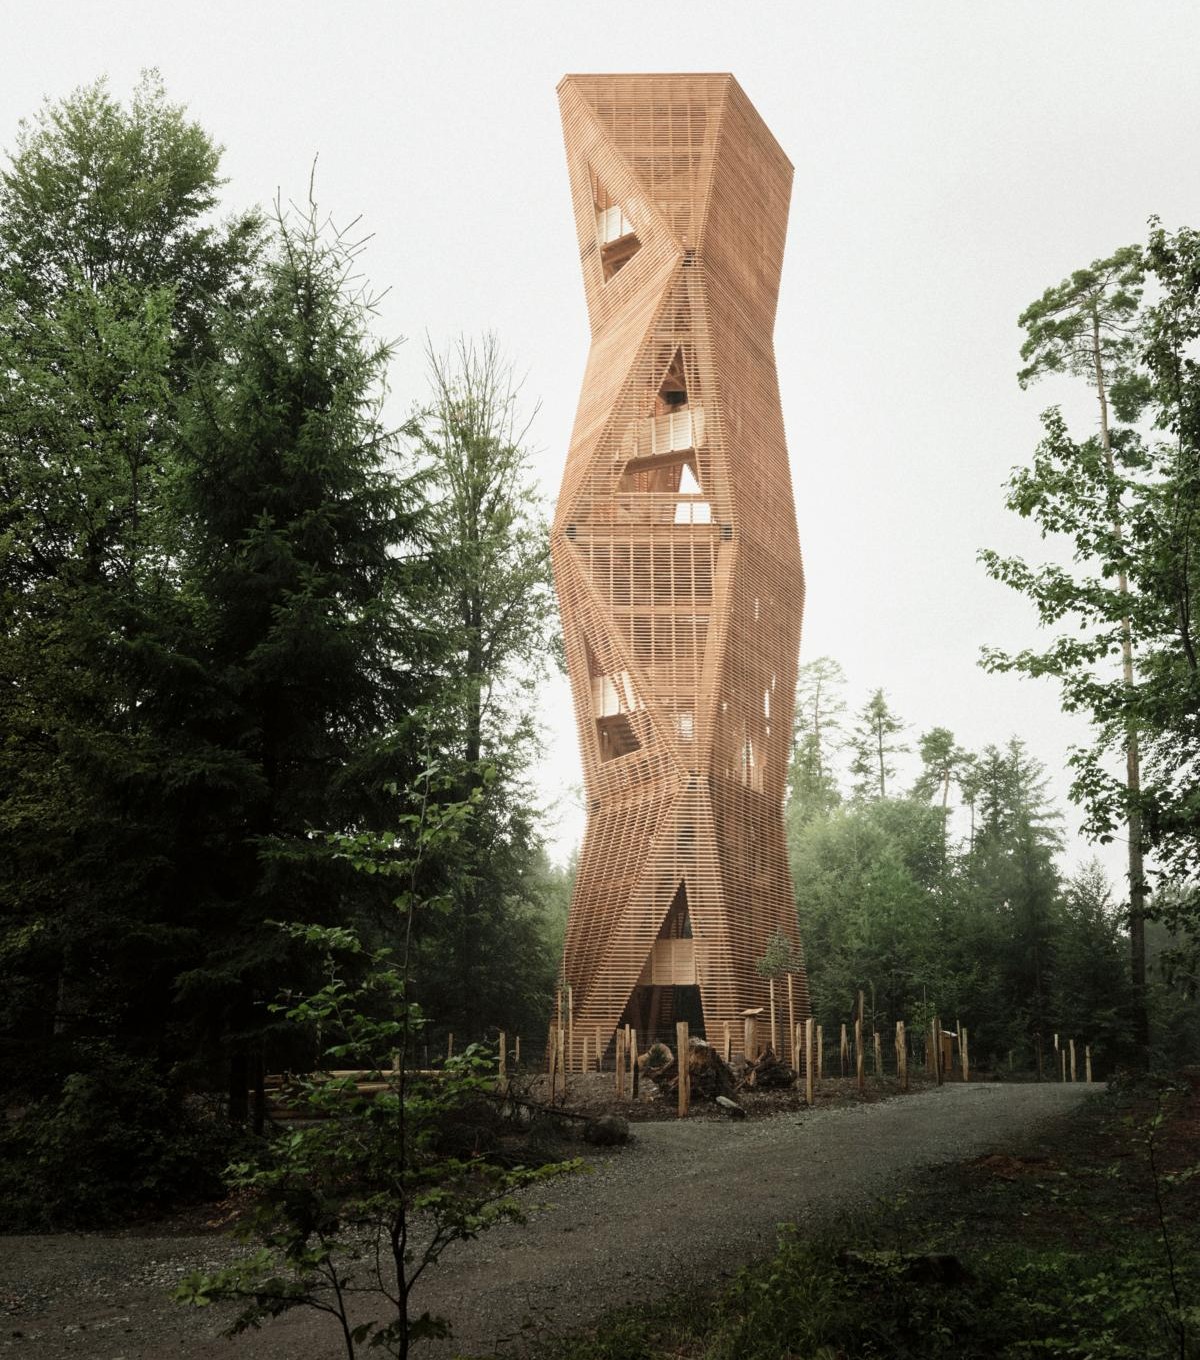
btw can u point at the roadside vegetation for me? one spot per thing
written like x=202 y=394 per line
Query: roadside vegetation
x=1086 y=1244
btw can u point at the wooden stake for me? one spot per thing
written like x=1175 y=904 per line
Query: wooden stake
x=859 y=1067
x=809 y=1057
x=1087 y=1063
x=901 y=1056
x=750 y=1038
x=1063 y=1056
x=552 y=1057
x=792 y=1017
x=1071 y=1042
x=820 y=1054
x=845 y=1052
x=619 y=1064
x=878 y=1055
x=774 y=1030
x=965 y=1054
x=633 y=1064
x=727 y=1040
x=685 y=1076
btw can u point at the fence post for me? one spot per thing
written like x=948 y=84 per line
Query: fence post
x=809 y=1055
x=681 y=1062
x=792 y=1017
x=619 y=1063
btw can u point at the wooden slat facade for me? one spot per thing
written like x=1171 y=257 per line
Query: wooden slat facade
x=675 y=550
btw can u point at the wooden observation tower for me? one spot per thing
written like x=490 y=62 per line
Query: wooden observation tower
x=676 y=556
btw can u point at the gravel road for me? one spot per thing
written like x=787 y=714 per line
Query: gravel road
x=685 y=1203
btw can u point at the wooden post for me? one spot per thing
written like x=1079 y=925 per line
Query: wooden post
x=681 y=1062
x=861 y=1006
x=820 y=1054
x=563 y=1055
x=792 y=1017
x=878 y=1055
x=935 y=1034
x=584 y=1059
x=503 y=1061
x=1087 y=1063
x=750 y=1038
x=859 y=1065
x=633 y=1064
x=450 y=1046
x=797 y=1043
x=901 y=1056
x=1063 y=1063
x=727 y=1040
x=570 y=1025
x=845 y=1052
x=1071 y=1043
x=774 y=1030
x=809 y=1056
x=964 y=1053
x=619 y=1064
x=553 y=1060
x=517 y=1053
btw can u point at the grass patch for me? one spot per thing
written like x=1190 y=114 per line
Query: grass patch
x=1085 y=1245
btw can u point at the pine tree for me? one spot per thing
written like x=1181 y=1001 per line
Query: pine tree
x=872 y=747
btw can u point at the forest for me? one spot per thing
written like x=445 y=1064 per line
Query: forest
x=270 y=666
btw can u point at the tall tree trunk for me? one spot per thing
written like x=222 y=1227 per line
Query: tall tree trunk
x=1133 y=769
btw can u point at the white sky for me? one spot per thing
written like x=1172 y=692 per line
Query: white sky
x=952 y=160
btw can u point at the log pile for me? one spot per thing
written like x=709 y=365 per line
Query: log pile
x=767 y=1072
x=709 y=1075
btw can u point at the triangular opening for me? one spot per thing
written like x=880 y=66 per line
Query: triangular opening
x=665 y=451
x=672 y=391
x=615 y=232
x=677 y=925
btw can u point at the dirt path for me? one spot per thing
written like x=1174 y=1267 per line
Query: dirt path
x=686 y=1203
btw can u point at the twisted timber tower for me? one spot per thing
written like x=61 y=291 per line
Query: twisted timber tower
x=676 y=556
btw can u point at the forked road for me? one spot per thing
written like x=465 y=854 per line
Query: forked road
x=687 y=1202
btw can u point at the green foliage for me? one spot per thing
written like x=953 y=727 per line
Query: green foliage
x=872 y=747
x=115 y=1143
x=358 y=1204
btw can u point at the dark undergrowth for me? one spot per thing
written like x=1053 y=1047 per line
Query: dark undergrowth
x=1087 y=1245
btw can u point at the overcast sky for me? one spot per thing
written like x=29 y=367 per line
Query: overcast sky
x=952 y=160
